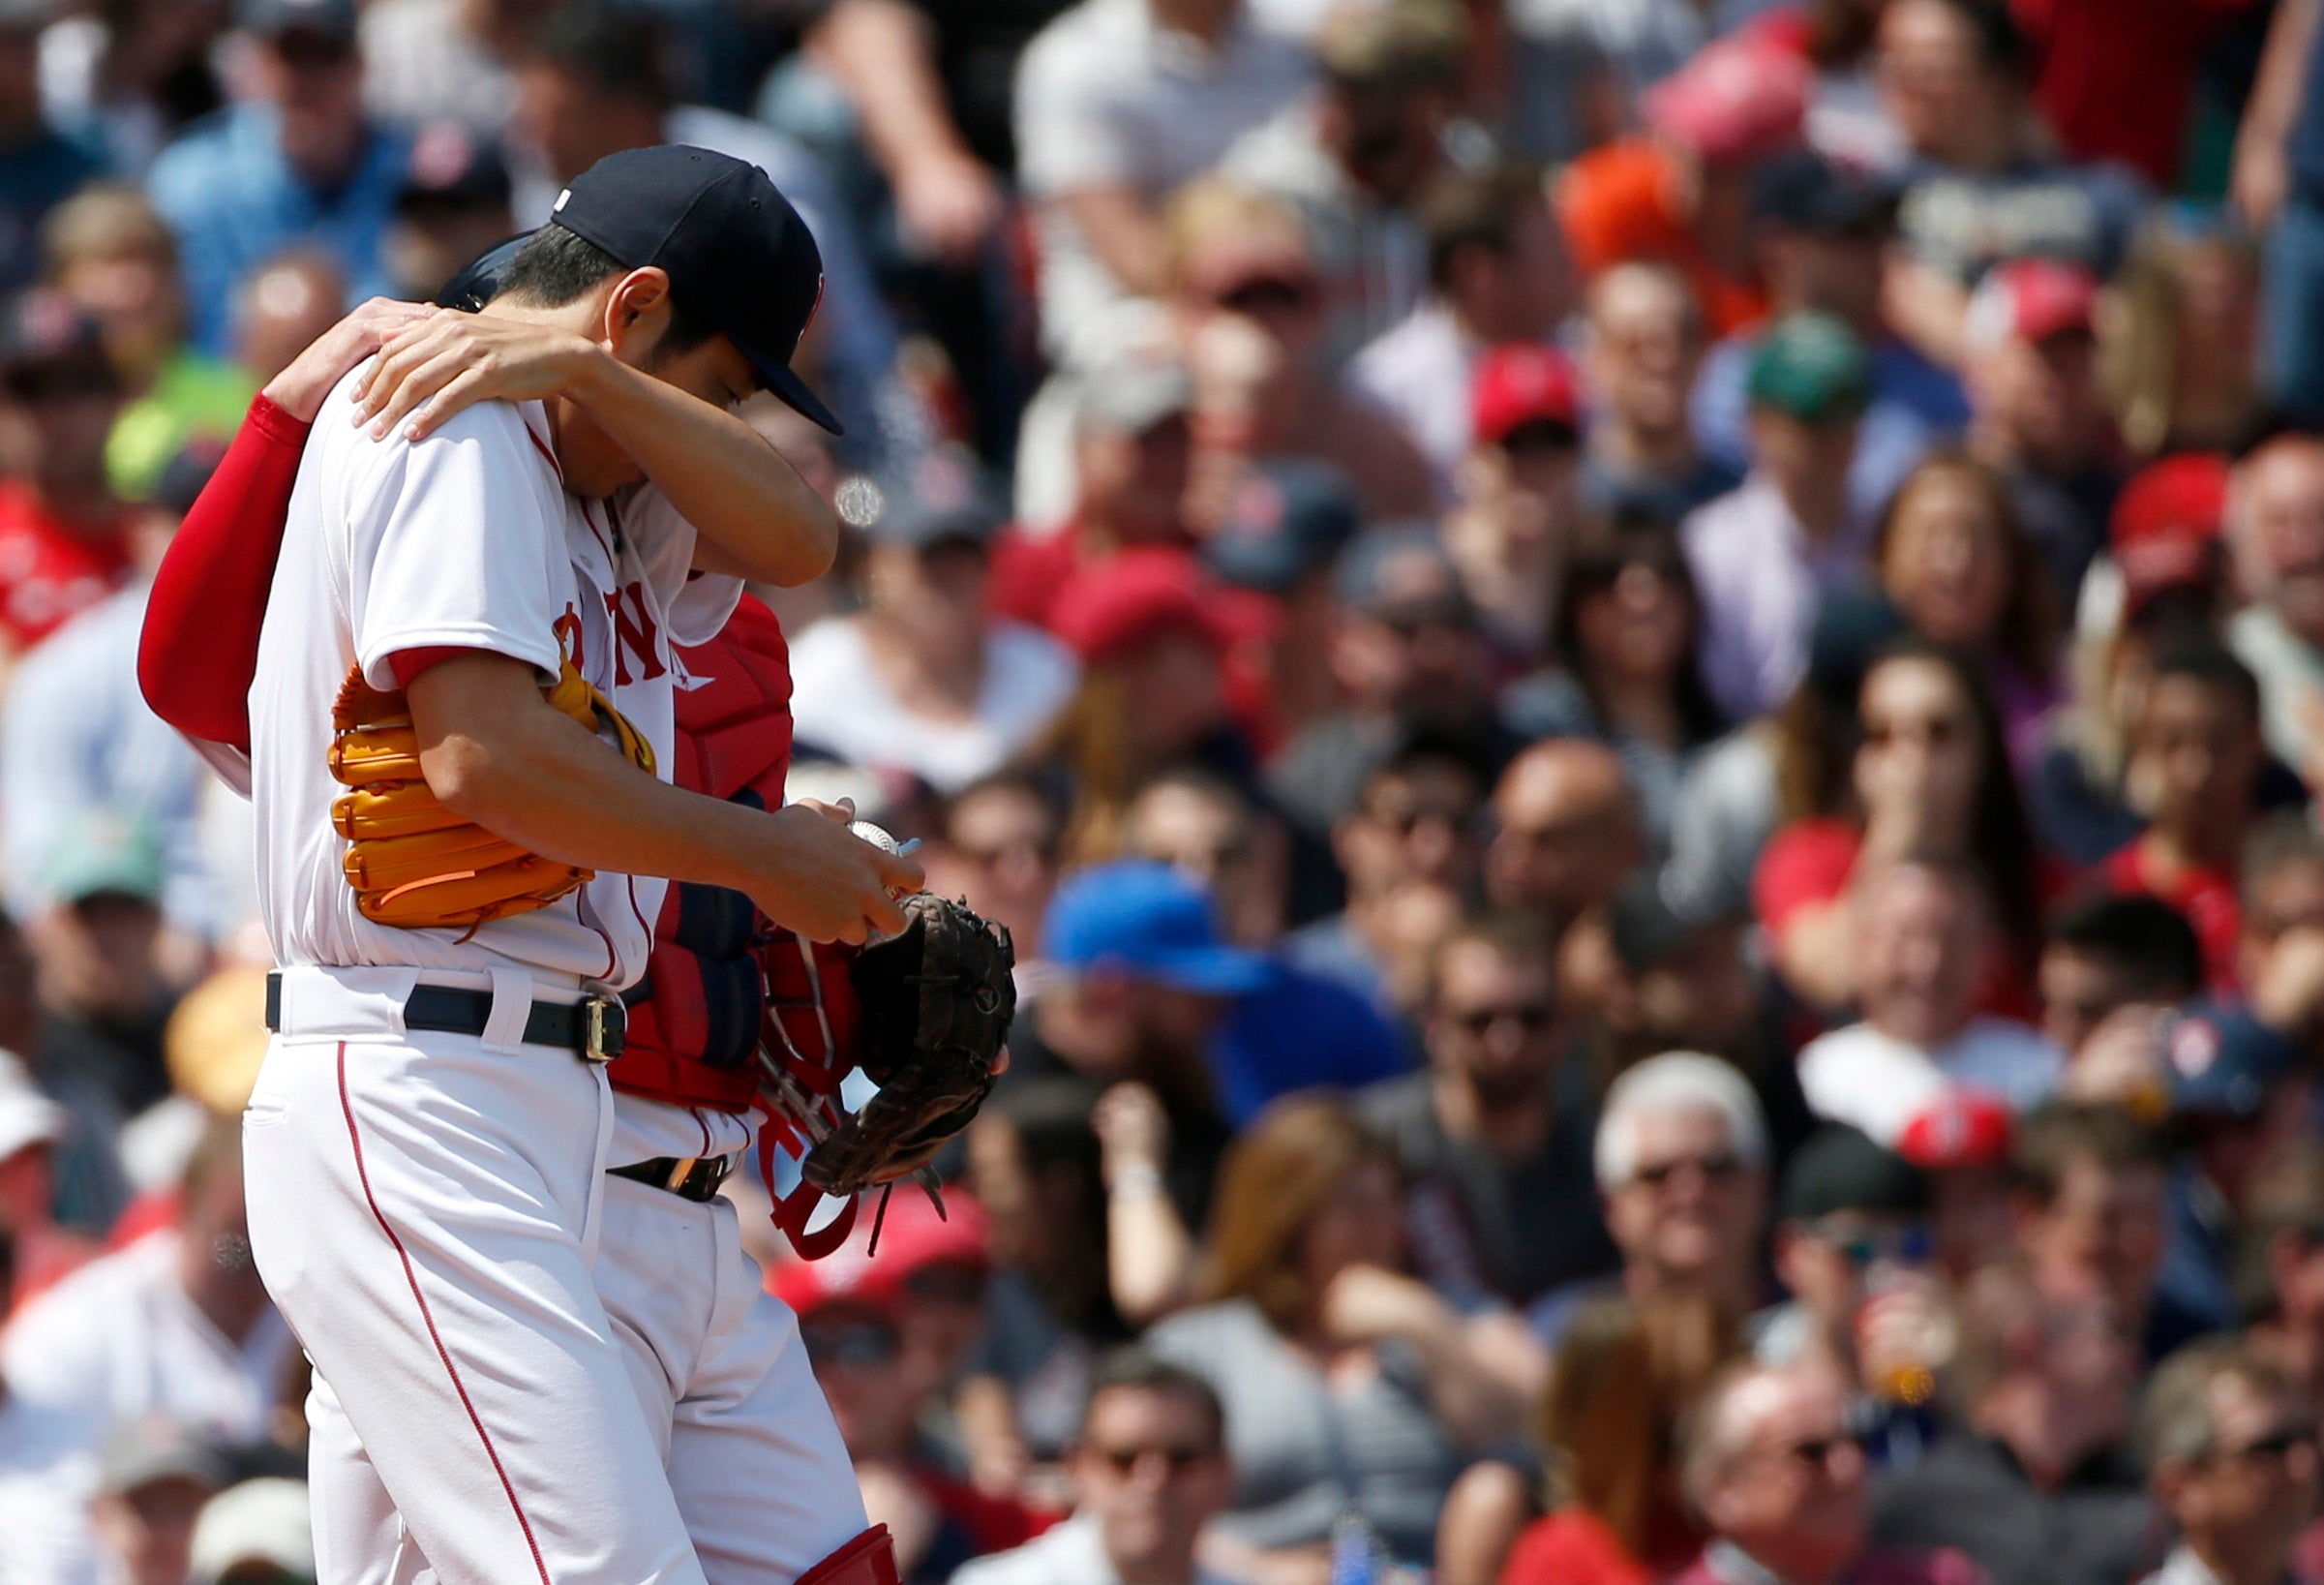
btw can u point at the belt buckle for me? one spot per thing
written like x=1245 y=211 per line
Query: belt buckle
x=680 y=1171
x=604 y=1027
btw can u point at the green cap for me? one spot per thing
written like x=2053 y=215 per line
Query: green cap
x=1812 y=367
x=106 y=851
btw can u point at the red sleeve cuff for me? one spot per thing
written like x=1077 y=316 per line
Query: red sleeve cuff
x=271 y=419
x=409 y=663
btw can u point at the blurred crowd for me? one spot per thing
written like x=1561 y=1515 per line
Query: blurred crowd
x=1644 y=679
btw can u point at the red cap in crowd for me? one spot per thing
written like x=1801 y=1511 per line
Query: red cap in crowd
x=1739 y=99
x=2168 y=521
x=1963 y=1128
x=913 y=1237
x=1522 y=384
x=2031 y=300
x=1109 y=607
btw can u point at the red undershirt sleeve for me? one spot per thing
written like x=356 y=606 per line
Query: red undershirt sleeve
x=200 y=648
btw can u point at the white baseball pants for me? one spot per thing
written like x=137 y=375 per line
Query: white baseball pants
x=422 y=1207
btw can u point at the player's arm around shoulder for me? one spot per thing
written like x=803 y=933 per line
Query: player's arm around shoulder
x=495 y=752
x=753 y=515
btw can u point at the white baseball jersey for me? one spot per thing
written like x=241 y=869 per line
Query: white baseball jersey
x=465 y=539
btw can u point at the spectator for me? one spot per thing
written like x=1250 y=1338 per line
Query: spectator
x=64 y=543
x=1414 y=825
x=1962 y=1145
x=1306 y=1289
x=1150 y=1470
x=2118 y=83
x=2184 y=371
x=1769 y=1463
x=1566 y=833
x=593 y=82
x=2280 y=1263
x=297 y=163
x=1765 y=552
x=2032 y=1483
x=38 y=167
x=176 y=1326
x=2275 y=186
x=256 y=1532
x=1643 y=346
x=999 y=846
x=1682 y=192
x=1681 y=1164
x=2239 y=1095
x=1154 y=643
x=1494 y=1137
x=1820 y=233
x=1628 y=642
x=1033 y=1164
x=2037 y=416
x=922 y=680
x=2091 y=1211
x=1519 y=499
x=153 y=1480
x=428 y=61
x=2195 y=740
x=1132 y=452
x=1287 y=522
x=1497 y=277
x=1851 y=1250
x=1108 y=123
x=2165 y=561
x=1357 y=155
x=1918 y=930
x=880 y=1376
x=1930 y=777
x=1626 y=1376
x=115 y=259
x=454 y=205
x=1953 y=556
x=2283 y=903
x=2110 y=953
x=2231 y=1452
x=41 y=1252
x=283 y=307
x=2276 y=534
x=1210 y=832
x=1408 y=659
x=1980 y=188
x=1249 y=303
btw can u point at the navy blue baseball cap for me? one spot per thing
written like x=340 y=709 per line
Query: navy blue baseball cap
x=1289 y=518
x=2224 y=1062
x=1149 y=922
x=737 y=254
x=479 y=280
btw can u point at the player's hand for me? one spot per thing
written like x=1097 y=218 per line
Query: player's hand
x=815 y=876
x=434 y=368
x=299 y=390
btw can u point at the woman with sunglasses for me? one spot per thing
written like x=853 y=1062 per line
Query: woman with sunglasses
x=1928 y=778
x=1627 y=636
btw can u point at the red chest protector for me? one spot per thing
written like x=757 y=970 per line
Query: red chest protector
x=694 y=1020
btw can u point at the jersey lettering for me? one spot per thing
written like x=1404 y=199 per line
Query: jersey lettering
x=634 y=634
x=568 y=636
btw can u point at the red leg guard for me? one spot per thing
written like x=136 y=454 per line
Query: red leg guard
x=868 y=1560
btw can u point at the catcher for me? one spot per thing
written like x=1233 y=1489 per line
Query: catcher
x=753 y=1459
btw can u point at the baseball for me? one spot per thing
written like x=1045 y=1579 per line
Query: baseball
x=876 y=837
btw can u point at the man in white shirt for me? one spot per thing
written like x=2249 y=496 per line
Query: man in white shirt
x=175 y=1327
x=429 y=1135
x=1920 y=930
x=1118 y=103
x=1149 y=1470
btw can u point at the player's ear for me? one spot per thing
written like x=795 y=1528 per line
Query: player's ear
x=637 y=314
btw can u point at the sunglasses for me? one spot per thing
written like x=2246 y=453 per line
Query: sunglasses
x=2277 y=1445
x=863 y=1343
x=1531 y=1018
x=1942 y=731
x=1716 y=1168
x=1267 y=295
x=1177 y=1460
x=1860 y=1247
x=947 y=1284
x=1814 y=1453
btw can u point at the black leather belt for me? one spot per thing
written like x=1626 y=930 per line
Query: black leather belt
x=595 y=1027
x=689 y=1178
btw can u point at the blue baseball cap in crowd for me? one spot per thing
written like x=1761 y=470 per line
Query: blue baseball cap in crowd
x=737 y=254
x=1291 y=517
x=2224 y=1062
x=1149 y=922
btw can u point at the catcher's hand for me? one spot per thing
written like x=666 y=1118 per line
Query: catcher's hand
x=937 y=1000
